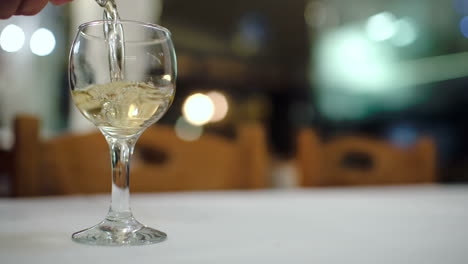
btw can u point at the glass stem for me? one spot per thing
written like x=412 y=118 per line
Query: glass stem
x=121 y=150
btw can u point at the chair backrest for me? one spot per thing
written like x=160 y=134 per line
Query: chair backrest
x=354 y=160
x=72 y=164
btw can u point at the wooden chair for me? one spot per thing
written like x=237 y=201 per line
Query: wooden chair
x=72 y=164
x=356 y=160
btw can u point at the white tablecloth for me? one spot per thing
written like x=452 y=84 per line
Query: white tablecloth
x=363 y=225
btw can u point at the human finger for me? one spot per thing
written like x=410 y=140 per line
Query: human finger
x=59 y=2
x=8 y=8
x=31 y=7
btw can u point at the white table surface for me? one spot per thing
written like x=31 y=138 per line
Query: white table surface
x=414 y=225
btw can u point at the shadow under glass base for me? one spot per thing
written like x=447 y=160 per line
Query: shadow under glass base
x=119 y=231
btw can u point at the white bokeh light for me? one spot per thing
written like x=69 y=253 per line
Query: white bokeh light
x=221 y=106
x=12 y=38
x=42 y=42
x=198 y=109
x=406 y=32
x=381 y=26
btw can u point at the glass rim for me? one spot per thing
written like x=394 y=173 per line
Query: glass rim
x=122 y=22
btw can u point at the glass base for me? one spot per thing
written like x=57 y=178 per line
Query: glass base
x=119 y=231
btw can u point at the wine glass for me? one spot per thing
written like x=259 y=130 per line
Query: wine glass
x=122 y=105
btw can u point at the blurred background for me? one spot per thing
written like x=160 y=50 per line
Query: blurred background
x=390 y=71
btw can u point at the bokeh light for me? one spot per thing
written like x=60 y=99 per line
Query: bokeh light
x=251 y=34
x=381 y=26
x=403 y=135
x=221 y=106
x=356 y=77
x=198 y=109
x=406 y=32
x=42 y=42
x=12 y=38
x=186 y=131
x=464 y=26
x=347 y=59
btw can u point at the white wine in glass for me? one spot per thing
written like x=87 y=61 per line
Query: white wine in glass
x=122 y=106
